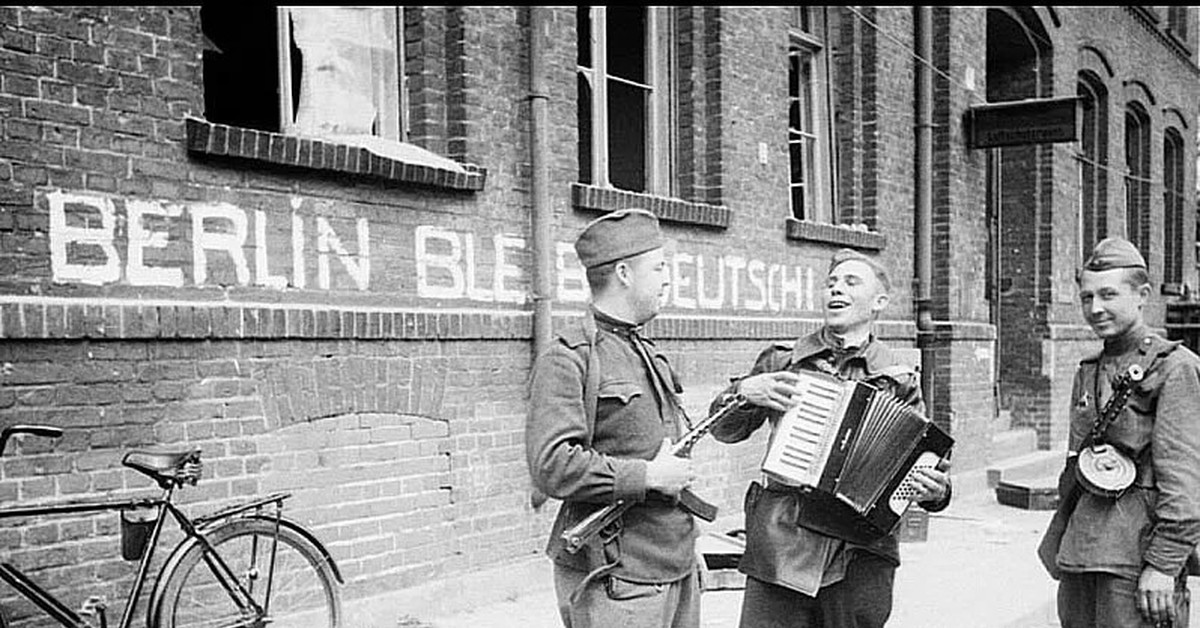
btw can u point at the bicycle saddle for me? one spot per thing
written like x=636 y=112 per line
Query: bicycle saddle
x=167 y=467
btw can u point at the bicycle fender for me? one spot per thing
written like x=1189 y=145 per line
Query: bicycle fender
x=312 y=538
x=160 y=581
x=172 y=561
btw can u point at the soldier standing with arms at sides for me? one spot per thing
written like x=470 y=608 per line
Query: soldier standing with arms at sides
x=603 y=410
x=797 y=577
x=1120 y=559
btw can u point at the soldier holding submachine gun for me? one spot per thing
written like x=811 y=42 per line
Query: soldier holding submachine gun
x=606 y=434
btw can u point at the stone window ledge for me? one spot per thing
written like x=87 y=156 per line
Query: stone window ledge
x=841 y=235
x=592 y=197
x=219 y=139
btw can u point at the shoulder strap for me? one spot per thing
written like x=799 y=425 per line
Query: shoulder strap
x=591 y=379
x=1105 y=416
x=1151 y=360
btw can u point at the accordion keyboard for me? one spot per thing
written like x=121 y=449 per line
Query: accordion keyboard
x=805 y=429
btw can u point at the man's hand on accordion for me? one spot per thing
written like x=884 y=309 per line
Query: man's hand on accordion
x=932 y=485
x=770 y=390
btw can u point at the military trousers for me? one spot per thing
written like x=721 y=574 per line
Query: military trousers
x=1103 y=600
x=610 y=602
x=862 y=599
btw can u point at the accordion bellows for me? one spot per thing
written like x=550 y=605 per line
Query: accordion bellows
x=853 y=449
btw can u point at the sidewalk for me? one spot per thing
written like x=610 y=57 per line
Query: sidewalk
x=977 y=569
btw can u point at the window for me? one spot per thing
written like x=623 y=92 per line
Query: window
x=1093 y=161
x=809 y=131
x=1173 y=198
x=1137 y=178
x=624 y=112
x=329 y=72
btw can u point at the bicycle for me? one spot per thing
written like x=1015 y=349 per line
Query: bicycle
x=212 y=577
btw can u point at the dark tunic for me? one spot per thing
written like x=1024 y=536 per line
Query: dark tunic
x=808 y=559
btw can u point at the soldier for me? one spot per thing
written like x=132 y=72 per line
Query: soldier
x=798 y=577
x=603 y=411
x=1119 y=558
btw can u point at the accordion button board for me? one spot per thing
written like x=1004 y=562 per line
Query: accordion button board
x=854 y=449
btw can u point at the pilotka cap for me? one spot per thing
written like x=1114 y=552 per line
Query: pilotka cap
x=1113 y=253
x=616 y=236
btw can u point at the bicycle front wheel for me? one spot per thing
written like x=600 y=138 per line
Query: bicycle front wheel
x=296 y=590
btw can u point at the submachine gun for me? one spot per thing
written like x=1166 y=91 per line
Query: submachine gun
x=578 y=535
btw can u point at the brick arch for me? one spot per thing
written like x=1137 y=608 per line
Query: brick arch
x=1051 y=14
x=1137 y=91
x=1091 y=57
x=1173 y=116
x=375 y=487
x=1031 y=21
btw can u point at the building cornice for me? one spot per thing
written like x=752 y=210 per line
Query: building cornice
x=1150 y=21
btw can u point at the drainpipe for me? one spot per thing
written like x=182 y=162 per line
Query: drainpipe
x=923 y=197
x=540 y=214
x=540 y=211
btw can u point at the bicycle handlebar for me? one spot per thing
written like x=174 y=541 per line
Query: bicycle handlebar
x=45 y=431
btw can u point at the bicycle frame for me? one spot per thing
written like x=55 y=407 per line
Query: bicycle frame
x=192 y=530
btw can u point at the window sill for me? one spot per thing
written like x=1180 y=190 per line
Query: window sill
x=808 y=231
x=219 y=139
x=592 y=197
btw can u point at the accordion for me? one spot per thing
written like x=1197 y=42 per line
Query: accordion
x=853 y=449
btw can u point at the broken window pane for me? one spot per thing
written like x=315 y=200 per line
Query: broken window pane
x=240 y=71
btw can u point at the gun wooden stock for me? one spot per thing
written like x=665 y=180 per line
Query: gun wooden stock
x=578 y=535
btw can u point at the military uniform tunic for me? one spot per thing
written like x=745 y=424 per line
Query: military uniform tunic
x=1157 y=521
x=784 y=553
x=591 y=466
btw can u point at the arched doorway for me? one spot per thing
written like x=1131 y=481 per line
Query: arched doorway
x=1018 y=205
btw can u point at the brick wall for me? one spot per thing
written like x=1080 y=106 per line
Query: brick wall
x=370 y=327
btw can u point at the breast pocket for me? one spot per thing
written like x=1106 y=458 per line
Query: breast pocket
x=618 y=391
x=1133 y=428
x=1144 y=399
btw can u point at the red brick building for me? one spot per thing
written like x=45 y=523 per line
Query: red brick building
x=325 y=245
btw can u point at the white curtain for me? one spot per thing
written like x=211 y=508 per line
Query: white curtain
x=349 y=82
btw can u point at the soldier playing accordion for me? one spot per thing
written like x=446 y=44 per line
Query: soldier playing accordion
x=798 y=576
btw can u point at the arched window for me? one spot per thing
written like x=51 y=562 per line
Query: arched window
x=1093 y=161
x=1173 y=181
x=1137 y=177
